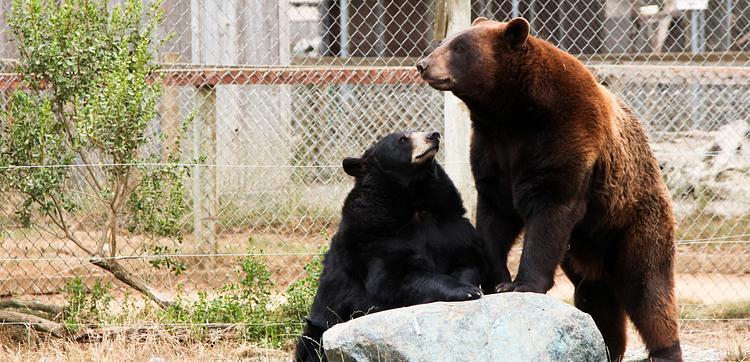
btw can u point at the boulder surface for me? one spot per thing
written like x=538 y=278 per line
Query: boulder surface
x=499 y=327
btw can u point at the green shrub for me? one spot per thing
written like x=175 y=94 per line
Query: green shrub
x=244 y=303
x=247 y=303
x=300 y=293
x=86 y=306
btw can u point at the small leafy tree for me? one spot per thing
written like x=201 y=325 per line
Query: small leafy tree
x=87 y=97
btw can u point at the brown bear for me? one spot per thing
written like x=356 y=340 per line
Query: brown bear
x=555 y=154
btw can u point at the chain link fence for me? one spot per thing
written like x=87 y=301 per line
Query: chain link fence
x=283 y=90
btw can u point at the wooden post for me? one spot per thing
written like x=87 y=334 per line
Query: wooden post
x=169 y=110
x=205 y=198
x=284 y=58
x=284 y=32
x=457 y=122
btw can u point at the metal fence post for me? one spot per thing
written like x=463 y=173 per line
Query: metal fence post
x=697 y=46
x=457 y=122
x=205 y=198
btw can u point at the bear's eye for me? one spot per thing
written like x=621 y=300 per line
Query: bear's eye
x=458 y=48
x=403 y=139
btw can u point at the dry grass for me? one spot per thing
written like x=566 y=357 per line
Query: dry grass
x=730 y=336
x=18 y=344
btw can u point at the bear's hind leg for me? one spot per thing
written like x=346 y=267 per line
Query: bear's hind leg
x=597 y=298
x=650 y=303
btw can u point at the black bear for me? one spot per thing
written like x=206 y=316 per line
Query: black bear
x=403 y=239
x=556 y=154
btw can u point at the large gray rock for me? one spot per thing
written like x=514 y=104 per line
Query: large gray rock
x=500 y=327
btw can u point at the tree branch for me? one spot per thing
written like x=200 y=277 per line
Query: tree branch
x=51 y=310
x=88 y=166
x=111 y=230
x=92 y=180
x=44 y=228
x=62 y=225
x=86 y=194
x=38 y=323
x=121 y=190
x=117 y=270
x=115 y=209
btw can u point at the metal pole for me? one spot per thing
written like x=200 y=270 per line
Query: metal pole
x=561 y=26
x=345 y=90
x=483 y=10
x=344 y=26
x=697 y=38
x=697 y=45
x=380 y=28
x=532 y=17
x=727 y=38
x=515 y=12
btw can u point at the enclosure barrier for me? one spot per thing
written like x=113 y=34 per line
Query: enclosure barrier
x=282 y=91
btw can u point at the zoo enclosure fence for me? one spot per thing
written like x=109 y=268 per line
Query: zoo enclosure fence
x=284 y=89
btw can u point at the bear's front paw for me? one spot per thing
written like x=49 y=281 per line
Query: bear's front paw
x=518 y=287
x=468 y=292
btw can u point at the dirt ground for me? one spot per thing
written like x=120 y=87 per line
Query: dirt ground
x=707 y=288
x=31 y=263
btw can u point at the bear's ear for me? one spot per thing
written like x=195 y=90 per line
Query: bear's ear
x=516 y=31
x=354 y=166
x=479 y=20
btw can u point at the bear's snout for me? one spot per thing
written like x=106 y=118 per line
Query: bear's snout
x=423 y=65
x=433 y=69
x=424 y=145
